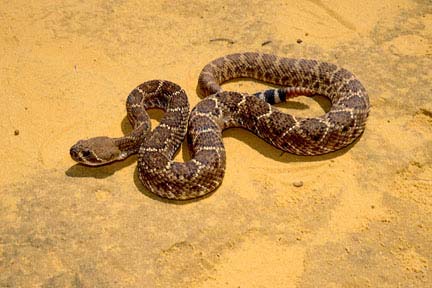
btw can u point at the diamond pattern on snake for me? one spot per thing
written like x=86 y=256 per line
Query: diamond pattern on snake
x=219 y=110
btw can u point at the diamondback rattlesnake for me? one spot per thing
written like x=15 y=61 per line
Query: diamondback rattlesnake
x=337 y=128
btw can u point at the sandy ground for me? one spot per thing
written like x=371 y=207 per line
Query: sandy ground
x=361 y=219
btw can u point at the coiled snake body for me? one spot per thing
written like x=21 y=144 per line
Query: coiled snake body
x=340 y=126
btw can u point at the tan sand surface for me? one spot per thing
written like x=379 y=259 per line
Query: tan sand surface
x=363 y=217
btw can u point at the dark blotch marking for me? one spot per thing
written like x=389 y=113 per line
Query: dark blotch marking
x=268 y=75
x=259 y=74
x=208 y=139
x=231 y=99
x=154 y=160
x=157 y=138
x=316 y=85
x=208 y=158
x=187 y=170
x=179 y=100
x=134 y=97
x=313 y=128
x=255 y=107
x=287 y=80
x=199 y=123
x=289 y=76
x=341 y=75
x=279 y=123
x=353 y=86
x=172 y=118
x=249 y=112
x=288 y=63
x=341 y=119
x=327 y=68
x=206 y=106
x=150 y=86
x=355 y=102
x=137 y=115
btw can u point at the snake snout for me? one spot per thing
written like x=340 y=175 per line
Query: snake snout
x=73 y=153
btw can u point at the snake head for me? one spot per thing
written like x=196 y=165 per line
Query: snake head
x=96 y=151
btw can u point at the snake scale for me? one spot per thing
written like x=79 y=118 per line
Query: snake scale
x=220 y=110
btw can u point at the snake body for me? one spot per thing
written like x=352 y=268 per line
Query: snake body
x=337 y=128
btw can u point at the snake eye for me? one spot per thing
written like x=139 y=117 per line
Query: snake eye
x=86 y=153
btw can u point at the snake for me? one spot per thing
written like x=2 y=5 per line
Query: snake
x=338 y=127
